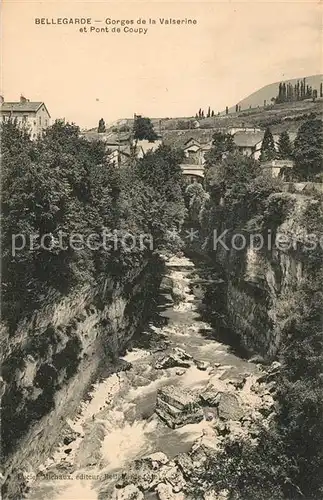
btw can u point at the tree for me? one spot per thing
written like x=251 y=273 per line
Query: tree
x=321 y=89
x=226 y=110
x=268 y=151
x=101 y=127
x=195 y=197
x=308 y=151
x=222 y=144
x=212 y=114
x=143 y=129
x=285 y=149
x=208 y=112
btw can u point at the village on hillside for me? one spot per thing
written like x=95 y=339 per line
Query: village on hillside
x=250 y=129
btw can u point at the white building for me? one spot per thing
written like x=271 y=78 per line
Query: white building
x=32 y=115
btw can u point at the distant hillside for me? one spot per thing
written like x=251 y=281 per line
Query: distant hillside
x=269 y=91
x=283 y=116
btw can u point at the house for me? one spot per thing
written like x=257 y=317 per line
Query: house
x=32 y=115
x=144 y=146
x=277 y=168
x=233 y=130
x=118 y=155
x=195 y=150
x=249 y=143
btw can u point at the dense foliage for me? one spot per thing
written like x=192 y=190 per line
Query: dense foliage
x=195 y=197
x=285 y=147
x=221 y=144
x=287 y=462
x=60 y=186
x=308 y=151
x=144 y=129
x=268 y=150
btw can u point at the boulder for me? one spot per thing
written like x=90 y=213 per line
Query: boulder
x=130 y=492
x=178 y=398
x=69 y=435
x=201 y=365
x=222 y=429
x=141 y=474
x=166 y=284
x=180 y=371
x=238 y=381
x=216 y=495
x=177 y=407
x=165 y=492
x=185 y=465
x=257 y=359
x=210 y=397
x=156 y=460
x=175 y=478
x=176 y=357
x=229 y=406
x=174 y=418
x=123 y=366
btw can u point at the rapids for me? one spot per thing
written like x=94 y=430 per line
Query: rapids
x=116 y=423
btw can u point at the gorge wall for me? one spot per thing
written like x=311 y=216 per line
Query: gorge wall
x=53 y=358
x=261 y=286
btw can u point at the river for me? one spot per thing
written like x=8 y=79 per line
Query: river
x=116 y=423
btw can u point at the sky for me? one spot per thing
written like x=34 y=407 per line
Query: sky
x=234 y=49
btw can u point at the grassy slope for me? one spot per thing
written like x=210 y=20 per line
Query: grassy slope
x=256 y=116
x=266 y=93
x=288 y=116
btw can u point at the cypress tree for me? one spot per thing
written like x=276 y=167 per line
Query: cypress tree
x=268 y=151
x=298 y=91
x=284 y=92
x=285 y=149
x=101 y=126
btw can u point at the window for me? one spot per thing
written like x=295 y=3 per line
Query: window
x=40 y=120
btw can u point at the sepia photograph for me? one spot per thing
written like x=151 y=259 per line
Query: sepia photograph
x=161 y=250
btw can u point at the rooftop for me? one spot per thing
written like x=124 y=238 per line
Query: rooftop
x=21 y=107
x=247 y=139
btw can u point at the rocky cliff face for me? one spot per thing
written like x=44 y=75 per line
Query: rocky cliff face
x=261 y=285
x=258 y=301
x=54 y=356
